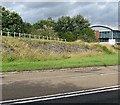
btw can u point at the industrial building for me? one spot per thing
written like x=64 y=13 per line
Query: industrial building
x=108 y=36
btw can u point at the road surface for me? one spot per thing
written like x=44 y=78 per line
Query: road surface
x=103 y=97
x=17 y=85
x=99 y=95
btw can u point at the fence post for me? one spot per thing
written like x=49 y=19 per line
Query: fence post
x=58 y=39
x=14 y=34
x=39 y=36
x=1 y=32
x=47 y=37
x=50 y=38
x=43 y=37
x=19 y=35
x=8 y=33
x=24 y=35
x=65 y=40
x=29 y=35
x=34 y=36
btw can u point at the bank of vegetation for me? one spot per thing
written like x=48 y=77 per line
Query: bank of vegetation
x=81 y=48
x=34 y=54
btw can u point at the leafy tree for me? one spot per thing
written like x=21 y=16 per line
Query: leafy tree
x=69 y=36
x=86 y=34
x=47 y=31
x=66 y=27
x=64 y=24
x=45 y=28
x=0 y=17
x=44 y=23
x=11 y=21
x=79 y=22
x=76 y=26
x=27 y=27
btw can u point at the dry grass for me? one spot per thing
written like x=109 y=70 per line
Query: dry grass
x=110 y=48
x=16 y=49
x=26 y=54
x=86 y=54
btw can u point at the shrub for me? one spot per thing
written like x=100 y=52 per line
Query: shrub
x=9 y=58
x=105 y=49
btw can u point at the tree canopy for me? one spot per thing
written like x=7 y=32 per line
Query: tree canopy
x=66 y=27
x=11 y=21
x=74 y=28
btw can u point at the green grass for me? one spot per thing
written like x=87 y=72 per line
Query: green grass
x=100 y=60
x=30 y=54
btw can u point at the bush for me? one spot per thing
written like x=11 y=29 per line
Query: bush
x=69 y=36
x=105 y=49
x=9 y=58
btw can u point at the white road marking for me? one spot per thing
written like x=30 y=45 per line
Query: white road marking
x=44 y=99
x=61 y=95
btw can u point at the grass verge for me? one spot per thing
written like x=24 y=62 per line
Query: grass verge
x=100 y=60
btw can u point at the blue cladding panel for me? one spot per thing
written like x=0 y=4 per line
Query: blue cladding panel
x=103 y=40
x=105 y=35
x=116 y=34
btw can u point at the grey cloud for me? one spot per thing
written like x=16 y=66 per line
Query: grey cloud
x=104 y=13
x=96 y=12
x=42 y=4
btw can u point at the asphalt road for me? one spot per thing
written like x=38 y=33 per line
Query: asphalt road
x=109 y=95
x=19 y=85
x=103 y=97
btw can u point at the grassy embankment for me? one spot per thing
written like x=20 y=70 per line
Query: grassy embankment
x=21 y=54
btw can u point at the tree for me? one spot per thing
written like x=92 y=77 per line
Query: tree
x=11 y=21
x=69 y=36
x=0 y=17
x=79 y=22
x=27 y=27
x=64 y=24
x=45 y=28
x=46 y=31
x=87 y=35
x=73 y=26
x=66 y=27
x=44 y=23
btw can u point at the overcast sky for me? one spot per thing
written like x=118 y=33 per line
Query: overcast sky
x=97 y=12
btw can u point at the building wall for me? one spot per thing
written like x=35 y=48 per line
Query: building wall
x=97 y=34
x=105 y=36
x=116 y=35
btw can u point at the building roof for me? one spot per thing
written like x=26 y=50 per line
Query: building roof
x=104 y=26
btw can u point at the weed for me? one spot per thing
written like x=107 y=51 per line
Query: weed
x=9 y=58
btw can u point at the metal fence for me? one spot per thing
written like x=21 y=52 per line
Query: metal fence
x=23 y=35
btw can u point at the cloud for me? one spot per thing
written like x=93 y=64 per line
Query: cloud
x=59 y=1
x=96 y=12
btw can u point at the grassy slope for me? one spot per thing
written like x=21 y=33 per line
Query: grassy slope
x=106 y=58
